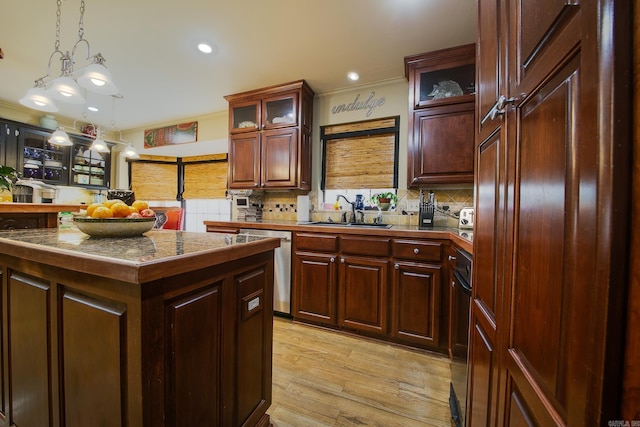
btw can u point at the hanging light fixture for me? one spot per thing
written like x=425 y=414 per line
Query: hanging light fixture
x=98 y=144
x=130 y=152
x=94 y=76
x=60 y=137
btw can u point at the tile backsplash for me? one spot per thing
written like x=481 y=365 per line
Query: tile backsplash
x=283 y=206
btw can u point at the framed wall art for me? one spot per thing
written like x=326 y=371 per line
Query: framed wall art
x=169 y=135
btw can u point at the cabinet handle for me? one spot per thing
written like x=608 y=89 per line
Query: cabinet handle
x=333 y=259
x=342 y=260
x=396 y=266
x=416 y=251
x=498 y=108
x=453 y=284
x=452 y=258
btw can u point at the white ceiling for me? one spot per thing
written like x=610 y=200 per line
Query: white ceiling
x=150 y=49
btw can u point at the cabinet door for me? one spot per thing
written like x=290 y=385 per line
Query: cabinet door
x=89 y=167
x=41 y=160
x=417 y=304
x=9 y=145
x=280 y=111
x=244 y=116
x=244 y=160
x=279 y=158
x=441 y=150
x=314 y=287
x=363 y=294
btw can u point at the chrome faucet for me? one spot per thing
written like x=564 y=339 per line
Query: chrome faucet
x=353 y=208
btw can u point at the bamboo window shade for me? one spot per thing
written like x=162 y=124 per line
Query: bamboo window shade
x=205 y=180
x=360 y=160
x=154 y=181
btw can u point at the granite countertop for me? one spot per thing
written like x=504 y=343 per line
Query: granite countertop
x=461 y=237
x=158 y=253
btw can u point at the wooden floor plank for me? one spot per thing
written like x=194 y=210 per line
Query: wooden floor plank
x=325 y=378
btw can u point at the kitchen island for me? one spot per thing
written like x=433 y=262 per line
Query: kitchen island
x=33 y=215
x=167 y=329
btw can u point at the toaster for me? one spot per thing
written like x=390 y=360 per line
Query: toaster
x=466 y=218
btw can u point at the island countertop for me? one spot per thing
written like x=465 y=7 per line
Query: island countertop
x=156 y=254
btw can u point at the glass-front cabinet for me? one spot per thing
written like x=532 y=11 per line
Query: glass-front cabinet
x=89 y=167
x=269 y=113
x=42 y=160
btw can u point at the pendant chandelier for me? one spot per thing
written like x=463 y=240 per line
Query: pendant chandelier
x=67 y=87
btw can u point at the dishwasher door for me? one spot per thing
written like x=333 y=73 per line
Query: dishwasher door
x=281 y=268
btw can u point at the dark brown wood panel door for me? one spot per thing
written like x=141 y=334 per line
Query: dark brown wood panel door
x=443 y=143
x=363 y=301
x=279 y=158
x=244 y=160
x=314 y=295
x=417 y=300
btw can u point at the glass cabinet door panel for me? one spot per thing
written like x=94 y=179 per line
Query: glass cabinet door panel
x=89 y=166
x=445 y=84
x=281 y=111
x=42 y=160
x=244 y=117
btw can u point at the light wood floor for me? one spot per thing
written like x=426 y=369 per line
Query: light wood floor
x=324 y=378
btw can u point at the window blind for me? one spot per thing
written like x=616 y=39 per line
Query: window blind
x=361 y=155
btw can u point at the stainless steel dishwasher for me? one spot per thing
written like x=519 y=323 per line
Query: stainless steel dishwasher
x=281 y=268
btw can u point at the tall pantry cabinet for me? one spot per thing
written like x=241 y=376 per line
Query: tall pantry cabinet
x=551 y=228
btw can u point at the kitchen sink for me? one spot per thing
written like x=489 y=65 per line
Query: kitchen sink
x=349 y=224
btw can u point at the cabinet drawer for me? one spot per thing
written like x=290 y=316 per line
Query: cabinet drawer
x=316 y=242
x=361 y=245
x=419 y=250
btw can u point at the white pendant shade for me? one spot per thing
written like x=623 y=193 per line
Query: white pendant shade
x=131 y=152
x=97 y=78
x=66 y=89
x=99 y=145
x=60 y=137
x=38 y=99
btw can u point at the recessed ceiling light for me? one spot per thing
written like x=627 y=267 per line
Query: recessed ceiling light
x=352 y=75
x=92 y=108
x=205 y=47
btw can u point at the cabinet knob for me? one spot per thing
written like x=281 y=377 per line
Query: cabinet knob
x=416 y=251
x=452 y=258
x=342 y=260
x=453 y=284
x=333 y=259
x=396 y=266
x=255 y=184
x=263 y=184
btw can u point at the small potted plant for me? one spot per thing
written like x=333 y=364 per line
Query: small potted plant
x=384 y=200
x=8 y=176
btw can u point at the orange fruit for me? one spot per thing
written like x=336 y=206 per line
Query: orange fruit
x=109 y=203
x=140 y=205
x=92 y=207
x=133 y=210
x=102 y=212
x=120 y=210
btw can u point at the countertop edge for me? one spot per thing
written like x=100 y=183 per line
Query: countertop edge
x=448 y=234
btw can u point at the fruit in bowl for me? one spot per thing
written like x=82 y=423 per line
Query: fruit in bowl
x=114 y=218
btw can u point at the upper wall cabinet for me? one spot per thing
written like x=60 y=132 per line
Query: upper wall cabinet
x=441 y=116
x=270 y=137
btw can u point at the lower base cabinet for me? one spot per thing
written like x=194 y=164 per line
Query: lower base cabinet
x=381 y=287
x=188 y=350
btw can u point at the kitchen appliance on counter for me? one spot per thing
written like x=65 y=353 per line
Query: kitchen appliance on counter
x=460 y=305
x=30 y=191
x=281 y=268
x=466 y=218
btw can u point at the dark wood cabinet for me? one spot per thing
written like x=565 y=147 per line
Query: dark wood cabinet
x=383 y=287
x=547 y=291
x=419 y=305
x=314 y=288
x=363 y=288
x=9 y=133
x=270 y=137
x=190 y=349
x=441 y=116
x=40 y=159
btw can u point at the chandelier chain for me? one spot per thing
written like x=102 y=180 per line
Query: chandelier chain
x=58 y=14
x=81 y=21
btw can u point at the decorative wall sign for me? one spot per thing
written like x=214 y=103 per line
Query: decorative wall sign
x=168 y=135
x=370 y=104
